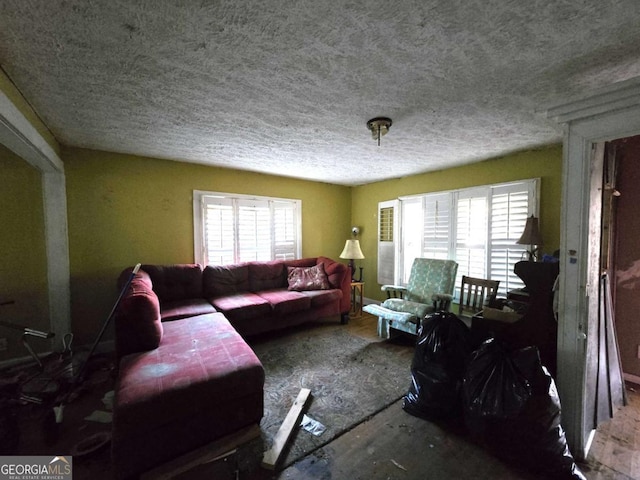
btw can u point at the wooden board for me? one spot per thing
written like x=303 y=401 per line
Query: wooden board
x=292 y=419
x=205 y=454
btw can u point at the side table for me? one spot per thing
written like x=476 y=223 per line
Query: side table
x=357 y=296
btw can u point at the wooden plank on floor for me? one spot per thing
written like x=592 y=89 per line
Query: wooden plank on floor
x=292 y=419
x=205 y=454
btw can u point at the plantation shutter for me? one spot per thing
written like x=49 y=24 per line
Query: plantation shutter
x=254 y=231
x=510 y=206
x=234 y=229
x=411 y=236
x=219 y=230
x=386 y=242
x=471 y=234
x=437 y=226
x=477 y=227
x=285 y=232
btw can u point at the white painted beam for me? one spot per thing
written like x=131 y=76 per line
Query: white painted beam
x=17 y=134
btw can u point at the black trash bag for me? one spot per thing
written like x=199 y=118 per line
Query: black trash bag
x=494 y=386
x=439 y=363
x=512 y=405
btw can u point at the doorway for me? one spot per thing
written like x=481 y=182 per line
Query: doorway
x=609 y=114
x=625 y=252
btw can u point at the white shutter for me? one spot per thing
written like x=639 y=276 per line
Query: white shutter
x=219 y=231
x=471 y=234
x=386 y=242
x=437 y=226
x=285 y=232
x=510 y=207
x=477 y=227
x=254 y=230
x=411 y=235
x=239 y=228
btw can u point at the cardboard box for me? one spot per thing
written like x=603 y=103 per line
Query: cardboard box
x=500 y=315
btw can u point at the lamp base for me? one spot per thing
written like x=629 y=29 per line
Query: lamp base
x=352 y=267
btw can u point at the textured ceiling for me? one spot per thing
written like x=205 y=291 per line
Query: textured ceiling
x=286 y=87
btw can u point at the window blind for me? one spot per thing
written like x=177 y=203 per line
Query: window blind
x=476 y=227
x=233 y=229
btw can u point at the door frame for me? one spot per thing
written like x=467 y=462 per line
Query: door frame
x=21 y=137
x=610 y=113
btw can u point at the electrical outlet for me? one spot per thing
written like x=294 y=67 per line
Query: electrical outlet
x=3 y=344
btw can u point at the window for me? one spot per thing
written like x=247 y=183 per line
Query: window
x=476 y=227
x=231 y=228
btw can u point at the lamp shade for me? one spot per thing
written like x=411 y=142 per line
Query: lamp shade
x=531 y=234
x=352 y=250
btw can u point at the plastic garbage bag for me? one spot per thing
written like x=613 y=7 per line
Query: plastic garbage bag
x=494 y=385
x=438 y=367
x=512 y=405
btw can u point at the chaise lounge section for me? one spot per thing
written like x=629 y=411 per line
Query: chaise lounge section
x=201 y=383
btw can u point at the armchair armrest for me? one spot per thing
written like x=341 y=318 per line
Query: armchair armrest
x=441 y=301
x=395 y=291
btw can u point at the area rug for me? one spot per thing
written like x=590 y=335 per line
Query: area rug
x=350 y=377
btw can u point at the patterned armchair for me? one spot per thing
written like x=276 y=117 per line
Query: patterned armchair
x=430 y=288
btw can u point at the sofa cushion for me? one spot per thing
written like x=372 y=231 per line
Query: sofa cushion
x=138 y=322
x=175 y=282
x=242 y=306
x=267 y=275
x=307 y=278
x=185 y=308
x=283 y=301
x=323 y=297
x=201 y=362
x=417 y=309
x=218 y=281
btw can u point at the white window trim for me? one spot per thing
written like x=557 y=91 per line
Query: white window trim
x=198 y=227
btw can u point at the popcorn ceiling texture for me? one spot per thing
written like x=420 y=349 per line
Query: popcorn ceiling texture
x=286 y=87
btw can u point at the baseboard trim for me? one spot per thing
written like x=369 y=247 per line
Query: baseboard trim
x=369 y=301
x=632 y=378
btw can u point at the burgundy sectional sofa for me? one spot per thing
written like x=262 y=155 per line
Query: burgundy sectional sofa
x=186 y=376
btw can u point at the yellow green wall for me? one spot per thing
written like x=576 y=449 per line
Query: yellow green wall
x=545 y=164
x=23 y=265
x=124 y=209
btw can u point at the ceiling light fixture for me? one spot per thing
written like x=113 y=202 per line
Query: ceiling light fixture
x=379 y=127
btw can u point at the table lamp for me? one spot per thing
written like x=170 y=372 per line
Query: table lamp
x=532 y=237
x=353 y=252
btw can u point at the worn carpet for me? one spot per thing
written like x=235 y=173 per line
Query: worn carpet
x=350 y=378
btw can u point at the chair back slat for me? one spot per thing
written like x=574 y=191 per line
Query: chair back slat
x=475 y=293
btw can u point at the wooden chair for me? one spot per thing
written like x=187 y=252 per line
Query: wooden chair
x=475 y=294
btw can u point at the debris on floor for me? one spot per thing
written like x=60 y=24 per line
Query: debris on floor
x=312 y=426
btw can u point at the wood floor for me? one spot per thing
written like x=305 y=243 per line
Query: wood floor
x=396 y=445
x=390 y=445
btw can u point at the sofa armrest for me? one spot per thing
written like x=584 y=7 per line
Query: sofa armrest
x=339 y=276
x=138 y=325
